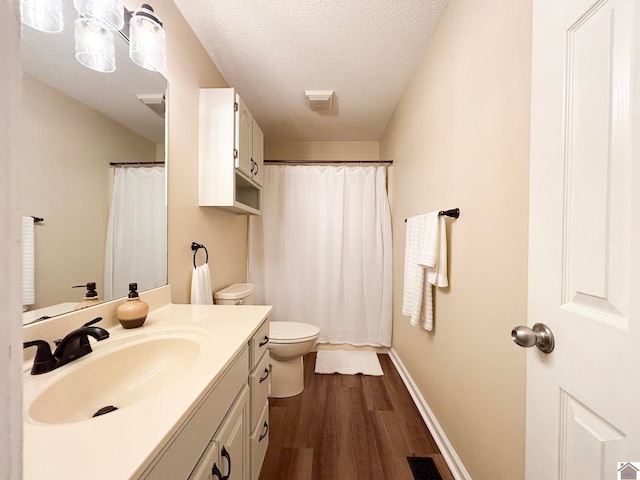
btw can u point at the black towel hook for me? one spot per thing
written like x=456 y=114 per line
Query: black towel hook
x=195 y=247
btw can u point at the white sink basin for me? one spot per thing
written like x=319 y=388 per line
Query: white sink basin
x=118 y=376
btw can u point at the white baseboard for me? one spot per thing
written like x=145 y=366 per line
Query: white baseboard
x=446 y=449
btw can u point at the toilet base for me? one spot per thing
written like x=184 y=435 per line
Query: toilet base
x=287 y=377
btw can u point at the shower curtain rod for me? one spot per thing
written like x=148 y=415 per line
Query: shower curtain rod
x=328 y=162
x=124 y=164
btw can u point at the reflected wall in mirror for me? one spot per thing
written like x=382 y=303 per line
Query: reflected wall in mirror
x=76 y=122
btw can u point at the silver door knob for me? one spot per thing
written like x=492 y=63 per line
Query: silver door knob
x=539 y=336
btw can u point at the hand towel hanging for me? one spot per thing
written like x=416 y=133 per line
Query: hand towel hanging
x=201 y=292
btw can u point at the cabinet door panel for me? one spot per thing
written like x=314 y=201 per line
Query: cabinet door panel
x=244 y=138
x=233 y=440
x=207 y=468
x=258 y=153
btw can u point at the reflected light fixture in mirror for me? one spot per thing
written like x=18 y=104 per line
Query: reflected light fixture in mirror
x=94 y=31
x=109 y=13
x=43 y=15
x=94 y=45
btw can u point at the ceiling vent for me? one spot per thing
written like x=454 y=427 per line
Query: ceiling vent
x=155 y=101
x=319 y=99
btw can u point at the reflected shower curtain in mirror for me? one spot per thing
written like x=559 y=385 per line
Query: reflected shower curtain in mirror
x=321 y=251
x=136 y=248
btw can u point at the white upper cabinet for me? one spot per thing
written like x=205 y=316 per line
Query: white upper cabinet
x=257 y=153
x=230 y=153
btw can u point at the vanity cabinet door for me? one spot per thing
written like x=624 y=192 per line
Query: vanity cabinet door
x=208 y=466
x=227 y=455
x=233 y=441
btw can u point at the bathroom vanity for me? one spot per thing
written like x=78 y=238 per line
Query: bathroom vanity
x=190 y=389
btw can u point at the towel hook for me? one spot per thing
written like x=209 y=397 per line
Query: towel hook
x=195 y=247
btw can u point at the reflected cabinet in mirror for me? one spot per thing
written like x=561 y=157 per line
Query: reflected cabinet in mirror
x=92 y=159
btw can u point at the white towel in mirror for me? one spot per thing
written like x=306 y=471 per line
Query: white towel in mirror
x=28 y=262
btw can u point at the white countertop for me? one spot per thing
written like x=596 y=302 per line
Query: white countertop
x=121 y=444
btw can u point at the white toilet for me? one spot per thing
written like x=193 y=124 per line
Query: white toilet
x=288 y=343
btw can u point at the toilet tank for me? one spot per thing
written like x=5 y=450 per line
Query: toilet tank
x=237 y=294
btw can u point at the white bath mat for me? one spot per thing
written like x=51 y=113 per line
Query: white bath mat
x=347 y=362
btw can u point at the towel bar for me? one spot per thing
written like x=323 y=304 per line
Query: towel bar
x=454 y=213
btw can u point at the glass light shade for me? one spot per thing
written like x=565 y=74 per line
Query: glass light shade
x=43 y=15
x=109 y=13
x=94 y=46
x=147 y=40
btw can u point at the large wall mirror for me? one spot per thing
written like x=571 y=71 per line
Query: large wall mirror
x=82 y=131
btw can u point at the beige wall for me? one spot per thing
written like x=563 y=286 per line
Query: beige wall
x=460 y=138
x=65 y=173
x=322 y=150
x=225 y=235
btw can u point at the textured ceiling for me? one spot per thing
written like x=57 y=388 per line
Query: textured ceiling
x=273 y=51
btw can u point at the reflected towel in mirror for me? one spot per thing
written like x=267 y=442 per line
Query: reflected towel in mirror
x=28 y=262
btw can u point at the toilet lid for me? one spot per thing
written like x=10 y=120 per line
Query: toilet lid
x=291 y=332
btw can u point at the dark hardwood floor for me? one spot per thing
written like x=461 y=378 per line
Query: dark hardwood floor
x=347 y=427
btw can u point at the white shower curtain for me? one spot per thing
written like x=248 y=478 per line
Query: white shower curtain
x=136 y=249
x=321 y=251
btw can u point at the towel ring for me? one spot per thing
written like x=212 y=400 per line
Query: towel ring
x=195 y=247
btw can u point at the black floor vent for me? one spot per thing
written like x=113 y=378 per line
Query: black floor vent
x=423 y=468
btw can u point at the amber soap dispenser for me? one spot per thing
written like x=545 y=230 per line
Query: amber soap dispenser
x=133 y=312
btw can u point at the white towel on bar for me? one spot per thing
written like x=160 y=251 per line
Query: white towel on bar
x=28 y=262
x=433 y=254
x=417 y=298
x=201 y=293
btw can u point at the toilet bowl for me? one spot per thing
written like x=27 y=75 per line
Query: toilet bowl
x=288 y=343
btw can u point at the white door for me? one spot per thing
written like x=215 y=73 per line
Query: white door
x=583 y=399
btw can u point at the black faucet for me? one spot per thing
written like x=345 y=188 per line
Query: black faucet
x=74 y=345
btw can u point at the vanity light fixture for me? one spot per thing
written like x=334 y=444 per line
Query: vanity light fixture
x=147 y=41
x=93 y=31
x=43 y=15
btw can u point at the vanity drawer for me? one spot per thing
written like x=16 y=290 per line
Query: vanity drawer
x=259 y=443
x=258 y=344
x=260 y=383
